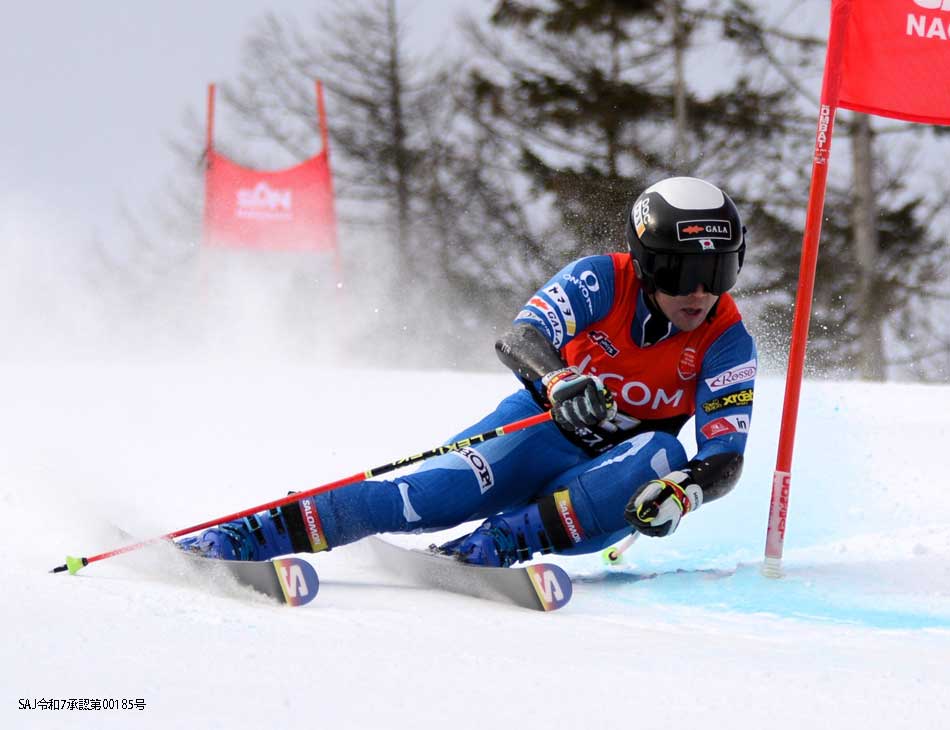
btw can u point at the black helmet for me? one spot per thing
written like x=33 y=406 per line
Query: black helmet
x=683 y=232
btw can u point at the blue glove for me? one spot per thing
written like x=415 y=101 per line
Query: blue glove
x=578 y=401
x=656 y=508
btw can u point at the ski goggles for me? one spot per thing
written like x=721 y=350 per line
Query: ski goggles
x=680 y=274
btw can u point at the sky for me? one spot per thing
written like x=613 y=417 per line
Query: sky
x=93 y=91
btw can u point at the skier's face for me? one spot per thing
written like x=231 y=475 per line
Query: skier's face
x=688 y=311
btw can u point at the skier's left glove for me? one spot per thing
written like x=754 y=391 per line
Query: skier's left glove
x=656 y=508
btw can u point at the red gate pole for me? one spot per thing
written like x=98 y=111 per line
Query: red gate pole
x=209 y=143
x=209 y=153
x=781 y=479
x=325 y=140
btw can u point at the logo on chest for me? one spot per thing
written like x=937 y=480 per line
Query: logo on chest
x=688 y=364
x=601 y=339
x=636 y=393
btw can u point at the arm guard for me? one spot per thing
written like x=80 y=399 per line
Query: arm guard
x=716 y=476
x=528 y=353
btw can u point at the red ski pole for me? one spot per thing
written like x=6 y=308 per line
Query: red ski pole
x=73 y=565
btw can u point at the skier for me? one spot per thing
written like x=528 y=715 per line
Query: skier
x=623 y=348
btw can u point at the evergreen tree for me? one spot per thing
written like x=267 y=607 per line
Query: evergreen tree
x=587 y=95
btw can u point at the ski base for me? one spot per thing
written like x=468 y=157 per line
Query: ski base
x=541 y=587
x=292 y=581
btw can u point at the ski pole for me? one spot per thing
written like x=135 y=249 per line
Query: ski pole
x=73 y=565
x=614 y=554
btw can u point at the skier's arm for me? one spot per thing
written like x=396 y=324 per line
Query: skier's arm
x=656 y=508
x=724 y=396
x=528 y=353
x=716 y=475
x=577 y=400
x=577 y=296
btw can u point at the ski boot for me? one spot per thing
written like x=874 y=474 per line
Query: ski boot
x=502 y=540
x=257 y=537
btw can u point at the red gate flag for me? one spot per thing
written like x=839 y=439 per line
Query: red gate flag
x=896 y=60
x=288 y=209
x=885 y=57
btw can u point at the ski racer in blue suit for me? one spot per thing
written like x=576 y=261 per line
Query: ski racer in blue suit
x=624 y=349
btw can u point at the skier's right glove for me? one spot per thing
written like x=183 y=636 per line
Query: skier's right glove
x=578 y=401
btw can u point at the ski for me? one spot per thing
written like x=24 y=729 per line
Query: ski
x=289 y=580
x=292 y=581
x=540 y=587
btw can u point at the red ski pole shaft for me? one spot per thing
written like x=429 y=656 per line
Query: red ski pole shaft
x=74 y=564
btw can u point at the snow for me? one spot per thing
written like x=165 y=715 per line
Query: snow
x=857 y=635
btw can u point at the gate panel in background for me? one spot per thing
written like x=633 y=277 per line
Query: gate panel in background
x=291 y=209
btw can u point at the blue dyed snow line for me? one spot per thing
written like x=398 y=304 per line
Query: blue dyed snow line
x=800 y=595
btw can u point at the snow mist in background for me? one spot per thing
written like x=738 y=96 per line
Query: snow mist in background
x=66 y=297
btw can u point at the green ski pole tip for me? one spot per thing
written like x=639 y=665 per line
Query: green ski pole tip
x=75 y=564
x=611 y=556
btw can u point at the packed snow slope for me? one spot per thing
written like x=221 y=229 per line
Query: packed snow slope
x=685 y=634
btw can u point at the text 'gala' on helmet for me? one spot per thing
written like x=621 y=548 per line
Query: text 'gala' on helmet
x=683 y=232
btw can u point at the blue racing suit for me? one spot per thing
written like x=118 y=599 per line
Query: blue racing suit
x=596 y=317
